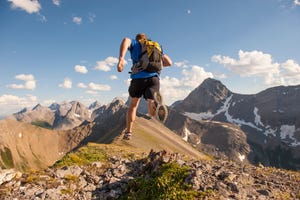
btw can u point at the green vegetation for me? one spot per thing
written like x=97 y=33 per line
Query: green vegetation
x=83 y=156
x=167 y=183
x=93 y=152
x=42 y=124
x=6 y=158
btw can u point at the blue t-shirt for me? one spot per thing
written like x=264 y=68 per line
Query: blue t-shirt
x=135 y=52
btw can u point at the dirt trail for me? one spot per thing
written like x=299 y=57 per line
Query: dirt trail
x=151 y=134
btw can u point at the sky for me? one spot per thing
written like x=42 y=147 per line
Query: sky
x=65 y=50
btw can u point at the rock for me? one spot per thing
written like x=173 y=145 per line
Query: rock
x=224 y=178
x=8 y=174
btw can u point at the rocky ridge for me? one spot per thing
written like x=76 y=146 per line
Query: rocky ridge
x=122 y=178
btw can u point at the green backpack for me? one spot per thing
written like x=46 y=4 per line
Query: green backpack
x=151 y=58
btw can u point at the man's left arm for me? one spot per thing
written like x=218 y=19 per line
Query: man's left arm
x=166 y=61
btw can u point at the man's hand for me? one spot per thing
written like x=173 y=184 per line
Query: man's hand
x=125 y=44
x=120 y=64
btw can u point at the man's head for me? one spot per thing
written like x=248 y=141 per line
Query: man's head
x=141 y=36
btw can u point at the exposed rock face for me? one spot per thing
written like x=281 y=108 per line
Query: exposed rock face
x=64 y=116
x=219 y=139
x=207 y=97
x=95 y=105
x=39 y=114
x=77 y=114
x=109 y=122
x=214 y=179
x=271 y=119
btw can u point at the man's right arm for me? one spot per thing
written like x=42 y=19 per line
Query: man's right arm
x=125 y=44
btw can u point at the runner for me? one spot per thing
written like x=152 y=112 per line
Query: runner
x=144 y=75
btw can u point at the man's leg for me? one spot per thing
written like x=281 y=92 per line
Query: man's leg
x=131 y=113
x=151 y=107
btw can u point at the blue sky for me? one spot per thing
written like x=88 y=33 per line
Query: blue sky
x=63 y=50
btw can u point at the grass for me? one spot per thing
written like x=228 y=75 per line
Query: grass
x=83 y=156
x=42 y=124
x=93 y=152
x=167 y=183
x=7 y=158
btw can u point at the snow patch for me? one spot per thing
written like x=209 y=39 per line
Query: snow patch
x=287 y=132
x=186 y=134
x=257 y=118
x=222 y=109
x=241 y=157
x=270 y=131
x=199 y=116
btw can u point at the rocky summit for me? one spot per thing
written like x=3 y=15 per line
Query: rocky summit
x=158 y=175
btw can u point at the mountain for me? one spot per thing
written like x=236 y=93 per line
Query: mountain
x=98 y=171
x=259 y=128
x=161 y=161
x=39 y=115
x=63 y=116
x=94 y=105
x=219 y=139
x=270 y=119
x=77 y=114
x=25 y=146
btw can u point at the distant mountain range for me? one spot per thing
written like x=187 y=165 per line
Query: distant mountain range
x=260 y=128
x=64 y=116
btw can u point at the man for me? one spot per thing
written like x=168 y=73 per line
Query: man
x=143 y=83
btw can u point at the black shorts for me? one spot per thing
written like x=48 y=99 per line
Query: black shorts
x=144 y=87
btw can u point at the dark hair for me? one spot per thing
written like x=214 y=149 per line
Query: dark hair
x=140 y=36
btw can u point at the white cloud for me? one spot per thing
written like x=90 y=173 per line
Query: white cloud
x=195 y=76
x=94 y=86
x=113 y=77
x=290 y=73
x=10 y=104
x=30 y=82
x=183 y=64
x=91 y=92
x=80 y=69
x=77 y=20
x=67 y=84
x=81 y=85
x=30 y=6
x=173 y=88
x=42 y=18
x=297 y=2
x=127 y=82
x=105 y=65
x=48 y=102
x=220 y=75
x=92 y=16
x=254 y=63
x=56 y=2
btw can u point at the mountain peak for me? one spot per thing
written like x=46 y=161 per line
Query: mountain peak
x=210 y=82
x=207 y=96
x=37 y=107
x=94 y=105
